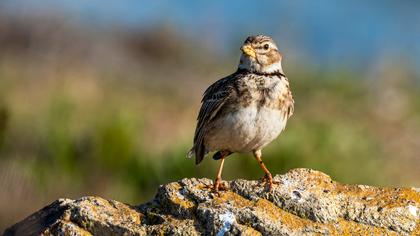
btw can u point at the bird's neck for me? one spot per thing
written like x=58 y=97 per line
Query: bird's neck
x=253 y=66
x=273 y=69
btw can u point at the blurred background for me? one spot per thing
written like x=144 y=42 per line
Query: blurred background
x=100 y=98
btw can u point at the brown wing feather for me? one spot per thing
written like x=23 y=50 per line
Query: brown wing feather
x=213 y=100
x=290 y=103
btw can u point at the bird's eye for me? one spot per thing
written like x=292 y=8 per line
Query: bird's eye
x=266 y=46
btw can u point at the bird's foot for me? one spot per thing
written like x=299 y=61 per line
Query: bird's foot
x=269 y=181
x=219 y=185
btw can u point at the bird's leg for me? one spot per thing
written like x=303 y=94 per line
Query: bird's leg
x=268 y=178
x=218 y=181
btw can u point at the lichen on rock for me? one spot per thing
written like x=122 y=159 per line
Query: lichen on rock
x=305 y=202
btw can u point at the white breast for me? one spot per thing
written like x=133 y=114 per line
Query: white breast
x=246 y=129
x=250 y=128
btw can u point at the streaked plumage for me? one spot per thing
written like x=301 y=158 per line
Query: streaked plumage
x=247 y=110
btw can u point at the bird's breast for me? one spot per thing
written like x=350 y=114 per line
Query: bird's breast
x=254 y=117
x=263 y=91
x=257 y=121
x=247 y=128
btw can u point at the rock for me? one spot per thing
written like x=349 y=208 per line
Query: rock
x=305 y=202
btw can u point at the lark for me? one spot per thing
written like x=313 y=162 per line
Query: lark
x=246 y=110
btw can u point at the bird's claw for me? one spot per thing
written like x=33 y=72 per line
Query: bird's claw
x=219 y=185
x=268 y=180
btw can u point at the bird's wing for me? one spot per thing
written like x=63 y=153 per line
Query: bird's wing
x=213 y=100
x=289 y=102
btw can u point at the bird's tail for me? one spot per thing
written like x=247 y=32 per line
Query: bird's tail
x=221 y=154
x=190 y=153
x=198 y=153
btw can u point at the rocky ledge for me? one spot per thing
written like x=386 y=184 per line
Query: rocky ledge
x=305 y=202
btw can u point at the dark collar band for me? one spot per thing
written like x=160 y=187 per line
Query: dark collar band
x=278 y=73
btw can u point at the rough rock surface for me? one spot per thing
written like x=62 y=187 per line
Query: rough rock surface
x=305 y=202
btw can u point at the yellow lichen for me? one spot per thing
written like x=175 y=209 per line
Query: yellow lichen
x=417 y=230
x=249 y=231
x=276 y=214
x=180 y=200
x=120 y=212
x=344 y=227
x=295 y=223
x=235 y=198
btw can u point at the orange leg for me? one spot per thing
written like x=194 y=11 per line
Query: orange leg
x=218 y=179
x=268 y=177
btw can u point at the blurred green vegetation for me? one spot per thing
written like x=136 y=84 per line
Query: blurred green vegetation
x=106 y=116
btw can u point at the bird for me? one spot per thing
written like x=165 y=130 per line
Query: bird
x=245 y=111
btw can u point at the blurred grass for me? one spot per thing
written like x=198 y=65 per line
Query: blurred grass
x=116 y=120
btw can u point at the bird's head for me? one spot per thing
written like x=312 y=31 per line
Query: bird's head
x=260 y=55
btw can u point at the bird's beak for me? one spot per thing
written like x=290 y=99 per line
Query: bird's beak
x=248 y=50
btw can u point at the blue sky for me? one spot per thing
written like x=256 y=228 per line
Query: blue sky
x=328 y=31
